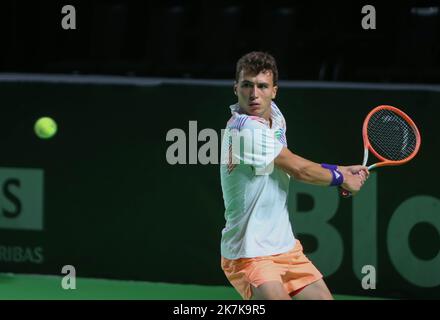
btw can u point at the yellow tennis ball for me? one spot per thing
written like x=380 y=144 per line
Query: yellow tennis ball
x=45 y=128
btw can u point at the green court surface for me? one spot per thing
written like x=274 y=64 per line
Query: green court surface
x=43 y=287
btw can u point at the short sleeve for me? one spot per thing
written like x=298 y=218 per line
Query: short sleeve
x=256 y=145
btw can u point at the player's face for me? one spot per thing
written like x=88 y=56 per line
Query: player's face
x=255 y=93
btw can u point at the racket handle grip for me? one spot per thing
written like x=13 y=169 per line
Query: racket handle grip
x=344 y=193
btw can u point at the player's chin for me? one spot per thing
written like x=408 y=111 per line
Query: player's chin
x=255 y=112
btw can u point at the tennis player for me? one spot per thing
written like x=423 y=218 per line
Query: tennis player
x=261 y=257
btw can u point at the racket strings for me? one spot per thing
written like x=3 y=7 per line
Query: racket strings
x=391 y=136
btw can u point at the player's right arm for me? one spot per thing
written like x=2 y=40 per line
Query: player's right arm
x=311 y=172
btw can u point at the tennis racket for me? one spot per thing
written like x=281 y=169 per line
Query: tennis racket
x=391 y=136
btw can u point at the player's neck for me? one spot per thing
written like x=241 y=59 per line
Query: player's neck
x=268 y=117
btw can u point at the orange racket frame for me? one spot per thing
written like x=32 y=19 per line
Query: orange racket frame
x=367 y=145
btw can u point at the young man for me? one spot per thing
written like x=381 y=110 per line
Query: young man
x=260 y=255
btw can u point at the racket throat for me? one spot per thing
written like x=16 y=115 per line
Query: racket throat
x=365 y=156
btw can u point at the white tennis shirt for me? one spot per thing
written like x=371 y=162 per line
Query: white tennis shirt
x=255 y=192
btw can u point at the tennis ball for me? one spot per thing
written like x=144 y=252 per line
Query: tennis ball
x=45 y=128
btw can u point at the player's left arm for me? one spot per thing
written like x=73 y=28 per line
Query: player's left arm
x=313 y=173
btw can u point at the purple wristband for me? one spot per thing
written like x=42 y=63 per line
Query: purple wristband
x=329 y=166
x=337 y=177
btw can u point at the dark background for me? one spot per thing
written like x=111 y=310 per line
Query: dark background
x=203 y=39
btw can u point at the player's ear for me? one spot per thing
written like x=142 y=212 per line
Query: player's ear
x=235 y=88
x=274 y=91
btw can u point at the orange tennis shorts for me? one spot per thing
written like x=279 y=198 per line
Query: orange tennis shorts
x=293 y=269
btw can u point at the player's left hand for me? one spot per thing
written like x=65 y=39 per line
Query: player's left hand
x=360 y=170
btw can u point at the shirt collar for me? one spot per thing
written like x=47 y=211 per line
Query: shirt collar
x=275 y=114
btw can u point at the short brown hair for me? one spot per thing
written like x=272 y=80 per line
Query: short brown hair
x=257 y=62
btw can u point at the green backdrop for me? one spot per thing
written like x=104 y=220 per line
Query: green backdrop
x=113 y=207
